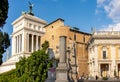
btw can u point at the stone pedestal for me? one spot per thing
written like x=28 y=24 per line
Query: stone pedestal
x=61 y=73
x=61 y=70
x=51 y=75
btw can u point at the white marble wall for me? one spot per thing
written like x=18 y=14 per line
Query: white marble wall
x=20 y=39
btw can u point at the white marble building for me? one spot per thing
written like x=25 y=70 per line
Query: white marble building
x=26 y=37
x=104 y=54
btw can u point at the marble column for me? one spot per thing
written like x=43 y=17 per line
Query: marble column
x=61 y=70
x=39 y=39
x=32 y=43
x=28 y=40
x=96 y=59
x=13 y=45
x=24 y=41
x=113 y=63
x=109 y=70
x=21 y=43
x=62 y=49
x=99 y=70
x=36 y=42
x=116 y=69
x=17 y=44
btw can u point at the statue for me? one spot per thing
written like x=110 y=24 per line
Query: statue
x=30 y=7
x=30 y=10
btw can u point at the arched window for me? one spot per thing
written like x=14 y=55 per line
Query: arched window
x=104 y=52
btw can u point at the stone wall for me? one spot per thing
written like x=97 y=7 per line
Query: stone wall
x=56 y=29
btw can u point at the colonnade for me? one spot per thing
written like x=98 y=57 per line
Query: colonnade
x=33 y=43
x=18 y=43
x=26 y=43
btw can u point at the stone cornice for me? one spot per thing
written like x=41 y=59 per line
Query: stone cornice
x=104 y=60
x=28 y=29
x=29 y=17
x=117 y=60
x=106 y=37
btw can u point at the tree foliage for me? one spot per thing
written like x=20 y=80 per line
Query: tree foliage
x=3 y=11
x=8 y=76
x=33 y=68
x=45 y=45
x=4 y=43
x=4 y=37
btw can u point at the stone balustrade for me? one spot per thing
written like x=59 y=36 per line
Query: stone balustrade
x=116 y=33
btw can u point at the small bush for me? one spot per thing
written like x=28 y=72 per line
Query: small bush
x=105 y=78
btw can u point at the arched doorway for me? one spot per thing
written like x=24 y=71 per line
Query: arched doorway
x=104 y=70
x=118 y=70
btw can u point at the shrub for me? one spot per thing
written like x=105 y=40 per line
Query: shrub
x=105 y=78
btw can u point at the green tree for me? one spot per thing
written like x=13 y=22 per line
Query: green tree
x=35 y=67
x=3 y=11
x=4 y=37
x=4 y=43
x=45 y=45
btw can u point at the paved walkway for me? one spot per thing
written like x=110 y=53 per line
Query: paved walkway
x=99 y=81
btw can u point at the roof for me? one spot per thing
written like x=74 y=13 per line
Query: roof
x=77 y=31
x=30 y=17
x=54 y=21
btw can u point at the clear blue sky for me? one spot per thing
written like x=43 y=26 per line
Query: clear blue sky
x=83 y=14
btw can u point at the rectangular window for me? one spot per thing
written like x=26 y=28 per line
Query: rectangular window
x=38 y=27
x=35 y=27
x=30 y=25
x=75 y=36
x=104 y=54
x=84 y=38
